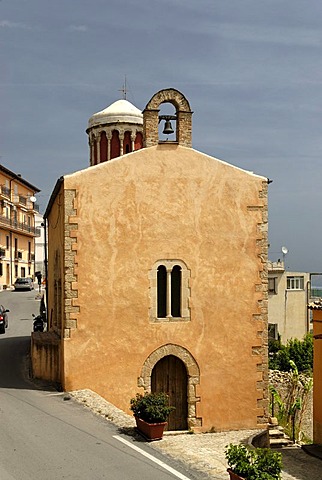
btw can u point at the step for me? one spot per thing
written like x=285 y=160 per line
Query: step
x=279 y=442
x=275 y=427
x=276 y=433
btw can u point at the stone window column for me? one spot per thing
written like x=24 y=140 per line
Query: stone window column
x=95 y=157
x=121 y=137
x=91 y=149
x=133 y=136
x=169 y=270
x=98 y=147
x=109 y=137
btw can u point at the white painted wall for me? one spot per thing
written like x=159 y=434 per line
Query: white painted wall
x=288 y=307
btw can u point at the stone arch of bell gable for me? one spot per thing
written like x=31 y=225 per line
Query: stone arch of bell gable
x=169 y=95
x=193 y=376
x=183 y=118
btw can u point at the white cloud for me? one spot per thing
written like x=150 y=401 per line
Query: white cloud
x=77 y=28
x=8 y=24
x=290 y=36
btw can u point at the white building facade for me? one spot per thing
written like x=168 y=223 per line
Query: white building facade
x=40 y=245
x=288 y=296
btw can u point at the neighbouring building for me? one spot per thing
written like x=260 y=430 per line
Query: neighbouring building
x=157 y=279
x=288 y=294
x=316 y=308
x=17 y=227
x=40 y=246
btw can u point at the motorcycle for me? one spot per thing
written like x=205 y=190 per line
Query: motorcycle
x=39 y=324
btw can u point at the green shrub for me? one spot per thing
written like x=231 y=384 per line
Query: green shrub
x=254 y=464
x=151 y=407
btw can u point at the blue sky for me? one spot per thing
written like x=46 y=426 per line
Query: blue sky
x=251 y=70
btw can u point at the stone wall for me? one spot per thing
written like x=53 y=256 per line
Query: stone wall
x=282 y=382
x=71 y=307
x=45 y=356
x=183 y=114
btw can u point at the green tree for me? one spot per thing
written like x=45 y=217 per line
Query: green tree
x=298 y=351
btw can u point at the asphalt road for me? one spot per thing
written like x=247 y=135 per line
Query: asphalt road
x=43 y=436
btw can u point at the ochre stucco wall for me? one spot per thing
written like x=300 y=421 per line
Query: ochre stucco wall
x=170 y=202
x=317 y=377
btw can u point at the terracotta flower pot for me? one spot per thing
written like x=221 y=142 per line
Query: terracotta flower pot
x=234 y=476
x=150 y=431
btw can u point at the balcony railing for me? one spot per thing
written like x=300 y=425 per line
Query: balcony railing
x=5 y=191
x=276 y=266
x=22 y=200
x=14 y=224
x=25 y=202
x=19 y=199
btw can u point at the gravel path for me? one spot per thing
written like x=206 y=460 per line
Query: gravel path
x=204 y=451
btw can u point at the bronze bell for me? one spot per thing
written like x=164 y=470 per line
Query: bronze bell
x=168 y=128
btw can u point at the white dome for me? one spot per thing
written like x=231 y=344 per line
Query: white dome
x=120 y=111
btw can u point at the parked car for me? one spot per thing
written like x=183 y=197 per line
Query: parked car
x=24 y=283
x=3 y=319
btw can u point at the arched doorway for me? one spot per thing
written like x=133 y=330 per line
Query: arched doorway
x=170 y=375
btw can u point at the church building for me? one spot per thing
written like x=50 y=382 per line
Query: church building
x=157 y=273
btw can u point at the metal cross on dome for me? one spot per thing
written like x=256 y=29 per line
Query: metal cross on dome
x=124 y=89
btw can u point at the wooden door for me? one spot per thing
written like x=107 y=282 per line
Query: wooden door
x=170 y=375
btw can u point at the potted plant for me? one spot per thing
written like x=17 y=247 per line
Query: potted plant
x=151 y=412
x=253 y=464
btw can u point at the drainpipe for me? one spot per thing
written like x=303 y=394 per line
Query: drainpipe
x=308 y=295
x=10 y=246
x=44 y=224
x=10 y=236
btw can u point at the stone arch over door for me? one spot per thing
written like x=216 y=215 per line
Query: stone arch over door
x=193 y=376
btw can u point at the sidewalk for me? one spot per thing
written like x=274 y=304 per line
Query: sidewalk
x=206 y=451
x=314 y=450
x=299 y=465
